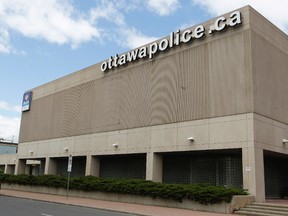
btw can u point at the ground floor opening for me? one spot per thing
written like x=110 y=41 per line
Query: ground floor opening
x=2 y=168
x=131 y=166
x=36 y=166
x=10 y=169
x=276 y=175
x=218 y=167
x=61 y=166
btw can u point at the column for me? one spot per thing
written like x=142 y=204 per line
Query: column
x=154 y=164
x=253 y=172
x=6 y=169
x=50 y=166
x=92 y=166
x=21 y=167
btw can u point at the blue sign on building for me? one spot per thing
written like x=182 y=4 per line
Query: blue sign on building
x=26 y=103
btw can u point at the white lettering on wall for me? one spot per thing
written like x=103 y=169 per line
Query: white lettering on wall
x=174 y=39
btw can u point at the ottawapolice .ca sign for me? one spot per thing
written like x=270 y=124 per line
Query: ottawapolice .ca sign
x=174 y=40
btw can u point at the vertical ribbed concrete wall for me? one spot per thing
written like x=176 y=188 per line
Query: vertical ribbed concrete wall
x=207 y=78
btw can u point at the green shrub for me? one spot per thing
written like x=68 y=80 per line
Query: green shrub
x=205 y=194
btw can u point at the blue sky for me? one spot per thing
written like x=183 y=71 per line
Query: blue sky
x=42 y=40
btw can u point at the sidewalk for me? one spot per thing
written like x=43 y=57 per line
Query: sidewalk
x=136 y=209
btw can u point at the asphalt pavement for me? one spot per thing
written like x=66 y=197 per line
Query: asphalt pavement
x=126 y=208
x=13 y=206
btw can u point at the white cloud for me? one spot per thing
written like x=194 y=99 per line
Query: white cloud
x=55 y=21
x=118 y=31
x=5 y=43
x=5 y=46
x=9 y=127
x=8 y=107
x=123 y=5
x=108 y=11
x=58 y=21
x=276 y=12
x=163 y=7
x=133 y=38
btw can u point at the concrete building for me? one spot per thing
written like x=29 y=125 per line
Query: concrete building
x=8 y=147
x=8 y=151
x=204 y=105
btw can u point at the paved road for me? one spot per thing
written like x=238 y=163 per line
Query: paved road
x=11 y=206
x=129 y=208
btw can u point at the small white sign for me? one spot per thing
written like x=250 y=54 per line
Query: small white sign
x=69 y=169
x=248 y=169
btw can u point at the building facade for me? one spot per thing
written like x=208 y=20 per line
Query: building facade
x=8 y=151
x=204 y=105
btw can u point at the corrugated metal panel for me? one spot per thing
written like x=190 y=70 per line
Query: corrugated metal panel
x=193 y=84
x=36 y=123
x=182 y=86
x=227 y=81
x=76 y=111
x=163 y=90
x=132 y=94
